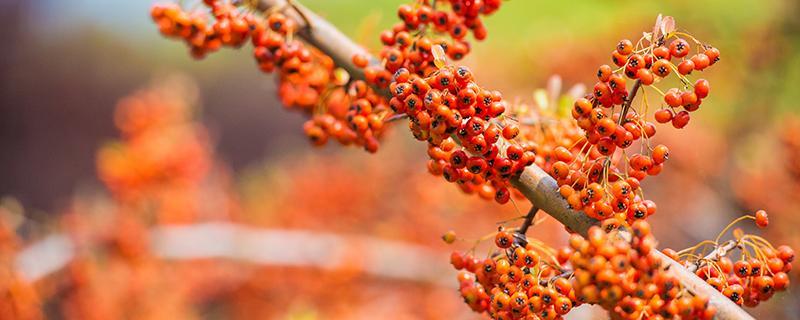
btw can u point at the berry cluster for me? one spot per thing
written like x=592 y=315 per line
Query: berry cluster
x=308 y=79
x=447 y=103
x=160 y=146
x=523 y=280
x=593 y=179
x=626 y=278
x=409 y=43
x=442 y=101
x=230 y=27
x=760 y=272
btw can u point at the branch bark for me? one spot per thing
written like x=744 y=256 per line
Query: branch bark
x=537 y=186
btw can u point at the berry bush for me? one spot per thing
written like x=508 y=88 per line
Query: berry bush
x=585 y=167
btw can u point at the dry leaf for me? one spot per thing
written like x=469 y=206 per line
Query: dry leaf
x=668 y=25
x=657 y=27
x=439 y=58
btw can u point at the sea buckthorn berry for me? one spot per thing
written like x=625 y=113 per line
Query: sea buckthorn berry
x=606 y=127
x=660 y=154
x=741 y=268
x=604 y=73
x=360 y=60
x=618 y=58
x=645 y=76
x=688 y=98
x=701 y=88
x=503 y=239
x=701 y=61
x=762 y=220
x=673 y=98
x=781 y=281
x=635 y=61
x=510 y=131
x=663 y=115
x=786 y=253
x=686 y=67
x=712 y=54
x=662 y=52
x=681 y=119
x=625 y=47
x=661 y=67
x=679 y=48
x=449 y=237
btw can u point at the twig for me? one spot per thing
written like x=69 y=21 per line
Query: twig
x=715 y=255
x=628 y=101
x=523 y=229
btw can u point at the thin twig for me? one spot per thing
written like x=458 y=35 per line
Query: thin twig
x=628 y=101
x=715 y=255
x=523 y=229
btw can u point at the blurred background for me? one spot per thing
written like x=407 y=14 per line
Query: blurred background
x=331 y=232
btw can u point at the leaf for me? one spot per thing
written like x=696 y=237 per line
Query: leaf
x=439 y=58
x=657 y=27
x=668 y=25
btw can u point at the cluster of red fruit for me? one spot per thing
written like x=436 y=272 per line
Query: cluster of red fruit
x=160 y=145
x=410 y=42
x=626 y=278
x=760 y=272
x=308 y=79
x=442 y=101
x=588 y=173
x=447 y=103
x=229 y=28
x=617 y=270
x=523 y=280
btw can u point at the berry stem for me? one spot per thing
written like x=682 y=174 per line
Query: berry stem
x=716 y=254
x=528 y=222
x=627 y=105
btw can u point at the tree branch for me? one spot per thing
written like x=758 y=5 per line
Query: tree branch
x=719 y=252
x=523 y=229
x=537 y=186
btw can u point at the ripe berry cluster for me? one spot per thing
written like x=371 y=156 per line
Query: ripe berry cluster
x=443 y=101
x=447 y=103
x=230 y=27
x=590 y=177
x=409 y=43
x=626 y=278
x=160 y=144
x=760 y=272
x=523 y=280
x=308 y=79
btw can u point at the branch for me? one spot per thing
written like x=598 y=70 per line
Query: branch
x=719 y=252
x=321 y=34
x=387 y=259
x=537 y=186
x=523 y=229
x=628 y=101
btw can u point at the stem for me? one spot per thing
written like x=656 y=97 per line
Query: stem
x=627 y=104
x=534 y=183
x=715 y=255
x=523 y=229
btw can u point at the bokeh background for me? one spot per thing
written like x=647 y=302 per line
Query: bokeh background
x=66 y=64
